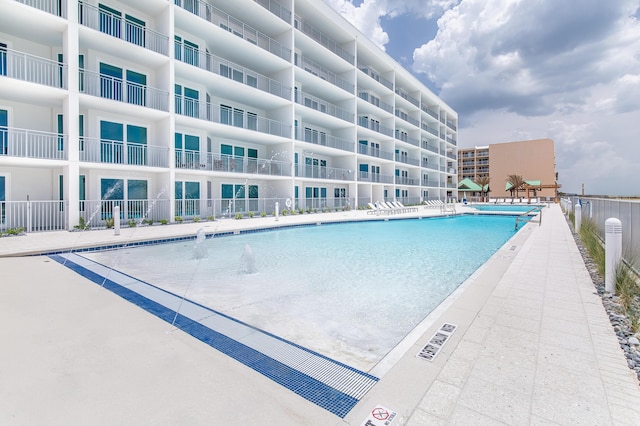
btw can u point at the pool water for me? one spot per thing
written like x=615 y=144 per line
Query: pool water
x=522 y=208
x=348 y=291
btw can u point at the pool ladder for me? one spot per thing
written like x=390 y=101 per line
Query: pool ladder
x=525 y=217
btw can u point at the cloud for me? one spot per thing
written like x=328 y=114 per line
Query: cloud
x=529 y=57
x=366 y=17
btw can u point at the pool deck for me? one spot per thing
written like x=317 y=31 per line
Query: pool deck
x=533 y=345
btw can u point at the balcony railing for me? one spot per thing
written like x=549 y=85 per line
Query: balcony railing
x=323 y=39
x=430 y=111
x=325 y=140
x=431 y=130
x=54 y=7
x=96 y=150
x=277 y=9
x=374 y=75
x=375 y=152
x=221 y=19
x=322 y=106
x=374 y=100
x=104 y=86
x=406 y=138
x=222 y=114
x=402 y=115
x=430 y=166
x=194 y=160
x=407 y=160
x=320 y=71
x=374 y=125
x=34 y=69
x=451 y=125
x=403 y=180
x=124 y=29
x=406 y=96
x=32 y=144
x=451 y=139
x=230 y=70
x=427 y=182
x=318 y=172
x=431 y=148
x=374 y=177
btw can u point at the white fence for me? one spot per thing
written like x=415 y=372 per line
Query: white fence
x=599 y=210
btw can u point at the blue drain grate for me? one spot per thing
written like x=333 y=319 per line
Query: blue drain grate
x=327 y=383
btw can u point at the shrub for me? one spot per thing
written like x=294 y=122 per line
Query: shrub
x=238 y=216
x=148 y=221
x=263 y=214
x=163 y=221
x=82 y=224
x=132 y=223
x=178 y=219
x=196 y=219
x=109 y=222
x=211 y=218
x=250 y=214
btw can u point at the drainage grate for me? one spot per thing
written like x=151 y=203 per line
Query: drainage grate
x=431 y=349
x=327 y=383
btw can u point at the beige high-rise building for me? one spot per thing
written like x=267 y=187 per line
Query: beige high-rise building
x=534 y=160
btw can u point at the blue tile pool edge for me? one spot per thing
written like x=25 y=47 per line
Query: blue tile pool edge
x=305 y=386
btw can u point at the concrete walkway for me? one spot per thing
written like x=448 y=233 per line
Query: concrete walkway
x=533 y=345
x=540 y=349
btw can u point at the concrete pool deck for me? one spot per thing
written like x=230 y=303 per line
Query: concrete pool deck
x=533 y=346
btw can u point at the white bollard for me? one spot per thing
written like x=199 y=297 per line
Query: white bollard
x=613 y=252
x=116 y=220
x=578 y=217
x=277 y=210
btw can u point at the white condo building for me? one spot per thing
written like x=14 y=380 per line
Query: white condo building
x=194 y=108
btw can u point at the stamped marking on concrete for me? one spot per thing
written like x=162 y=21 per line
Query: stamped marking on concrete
x=437 y=341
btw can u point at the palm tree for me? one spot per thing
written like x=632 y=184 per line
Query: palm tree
x=483 y=181
x=516 y=182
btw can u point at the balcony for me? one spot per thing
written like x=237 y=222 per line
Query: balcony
x=429 y=111
x=277 y=9
x=374 y=100
x=104 y=86
x=431 y=130
x=451 y=155
x=221 y=19
x=325 y=140
x=407 y=160
x=323 y=39
x=374 y=75
x=222 y=114
x=427 y=182
x=406 y=97
x=431 y=148
x=94 y=150
x=193 y=160
x=404 y=180
x=374 y=177
x=54 y=7
x=322 y=106
x=402 y=136
x=375 y=152
x=321 y=172
x=33 y=69
x=128 y=29
x=430 y=166
x=25 y=143
x=320 y=71
x=451 y=125
x=216 y=65
x=403 y=115
x=374 y=125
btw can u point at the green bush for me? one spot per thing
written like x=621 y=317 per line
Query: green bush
x=163 y=221
x=211 y=218
x=82 y=224
x=196 y=219
x=109 y=222
x=238 y=216
x=263 y=214
x=178 y=219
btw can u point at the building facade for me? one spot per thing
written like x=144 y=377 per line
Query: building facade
x=193 y=108
x=534 y=160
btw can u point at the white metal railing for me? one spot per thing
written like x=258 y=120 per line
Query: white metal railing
x=375 y=152
x=194 y=160
x=322 y=106
x=374 y=100
x=34 y=69
x=374 y=177
x=323 y=39
x=221 y=19
x=321 y=172
x=95 y=150
x=277 y=9
x=122 y=28
x=104 y=86
x=223 y=114
x=364 y=121
x=375 y=75
x=33 y=216
x=324 y=140
x=26 y=143
x=318 y=70
x=235 y=72
x=54 y=7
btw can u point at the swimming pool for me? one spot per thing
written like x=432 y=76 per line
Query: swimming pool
x=348 y=291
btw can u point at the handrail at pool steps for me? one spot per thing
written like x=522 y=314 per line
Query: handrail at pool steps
x=527 y=216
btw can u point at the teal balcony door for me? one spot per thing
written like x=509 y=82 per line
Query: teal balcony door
x=4 y=132
x=110 y=82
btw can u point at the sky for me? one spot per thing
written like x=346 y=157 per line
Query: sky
x=568 y=70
